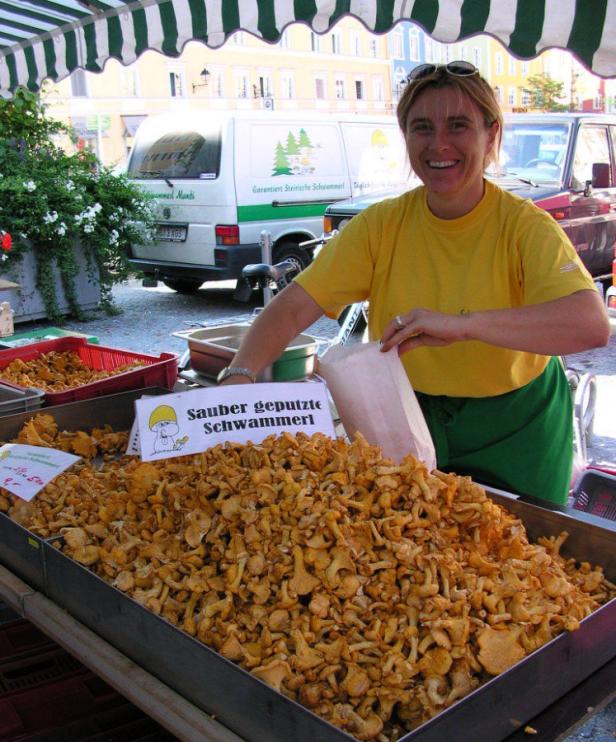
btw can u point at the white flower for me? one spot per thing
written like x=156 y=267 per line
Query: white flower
x=50 y=217
x=88 y=228
x=113 y=237
x=61 y=229
x=69 y=185
x=4 y=257
x=30 y=186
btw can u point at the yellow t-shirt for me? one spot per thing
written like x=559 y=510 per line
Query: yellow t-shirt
x=505 y=253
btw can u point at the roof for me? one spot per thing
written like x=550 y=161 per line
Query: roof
x=51 y=38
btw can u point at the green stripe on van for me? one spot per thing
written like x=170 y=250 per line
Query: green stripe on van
x=263 y=212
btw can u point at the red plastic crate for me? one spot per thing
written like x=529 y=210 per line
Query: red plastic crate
x=37 y=669
x=123 y=723
x=161 y=371
x=19 y=638
x=54 y=705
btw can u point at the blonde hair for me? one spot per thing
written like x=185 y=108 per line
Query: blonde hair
x=473 y=86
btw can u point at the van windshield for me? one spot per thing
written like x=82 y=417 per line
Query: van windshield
x=536 y=151
x=176 y=154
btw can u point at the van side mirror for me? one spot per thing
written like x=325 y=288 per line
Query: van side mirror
x=601 y=175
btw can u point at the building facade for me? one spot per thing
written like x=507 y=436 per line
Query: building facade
x=347 y=69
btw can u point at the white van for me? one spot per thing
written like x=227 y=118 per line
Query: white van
x=220 y=179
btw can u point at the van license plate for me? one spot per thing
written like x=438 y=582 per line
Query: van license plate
x=171 y=234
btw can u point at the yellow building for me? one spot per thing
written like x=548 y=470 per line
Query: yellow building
x=508 y=77
x=346 y=69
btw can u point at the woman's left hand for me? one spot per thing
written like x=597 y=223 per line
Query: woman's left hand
x=423 y=327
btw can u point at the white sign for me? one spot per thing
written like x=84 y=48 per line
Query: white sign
x=25 y=470
x=189 y=422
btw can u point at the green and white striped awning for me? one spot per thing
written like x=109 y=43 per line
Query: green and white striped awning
x=50 y=38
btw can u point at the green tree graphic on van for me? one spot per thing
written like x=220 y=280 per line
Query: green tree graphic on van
x=281 y=164
x=297 y=158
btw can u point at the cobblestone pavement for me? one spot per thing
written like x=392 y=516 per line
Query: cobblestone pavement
x=150 y=316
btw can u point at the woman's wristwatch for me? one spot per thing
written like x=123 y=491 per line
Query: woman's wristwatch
x=235 y=371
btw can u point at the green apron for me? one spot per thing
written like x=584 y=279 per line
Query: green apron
x=521 y=441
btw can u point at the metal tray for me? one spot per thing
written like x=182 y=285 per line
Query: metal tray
x=213 y=348
x=255 y=711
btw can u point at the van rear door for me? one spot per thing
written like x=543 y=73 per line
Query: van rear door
x=182 y=164
x=376 y=154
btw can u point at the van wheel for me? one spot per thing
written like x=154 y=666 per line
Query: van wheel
x=293 y=252
x=183 y=285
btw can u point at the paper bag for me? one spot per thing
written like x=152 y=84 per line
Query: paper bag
x=372 y=394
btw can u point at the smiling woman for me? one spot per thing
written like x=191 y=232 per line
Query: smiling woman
x=475 y=287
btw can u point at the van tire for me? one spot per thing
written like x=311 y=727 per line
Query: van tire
x=293 y=252
x=183 y=285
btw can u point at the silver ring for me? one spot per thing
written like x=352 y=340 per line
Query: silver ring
x=398 y=322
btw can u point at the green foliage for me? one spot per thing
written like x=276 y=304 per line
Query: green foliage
x=51 y=200
x=545 y=93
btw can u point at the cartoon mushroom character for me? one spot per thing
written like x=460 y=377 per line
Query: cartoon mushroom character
x=164 y=423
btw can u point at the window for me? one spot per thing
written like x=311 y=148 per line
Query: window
x=263 y=87
x=525 y=68
x=464 y=52
x=130 y=82
x=429 y=50
x=79 y=86
x=283 y=43
x=499 y=94
x=237 y=38
x=413 y=45
x=336 y=43
x=525 y=98
x=359 y=89
x=512 y=96
x=513 y=66
x=315 y=42
x=377 y=88
x=177 y=154
x=447 y=53
x=355 y=44
x=477 y=56
x=217 y=84
x=499 y=63
x=340 y=89
x=319 y=88
x=372 y=46
x=176 y=84
x=241 y=85
x=591 y=147
x=397 y=45
x=287 y=84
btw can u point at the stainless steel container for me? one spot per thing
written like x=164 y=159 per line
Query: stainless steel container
x=212 y=348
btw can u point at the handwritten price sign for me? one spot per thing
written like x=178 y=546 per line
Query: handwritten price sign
x=25 y=470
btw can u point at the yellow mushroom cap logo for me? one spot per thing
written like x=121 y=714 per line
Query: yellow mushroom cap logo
x=161 y=413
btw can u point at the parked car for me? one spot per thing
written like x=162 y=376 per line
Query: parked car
x=565 y=163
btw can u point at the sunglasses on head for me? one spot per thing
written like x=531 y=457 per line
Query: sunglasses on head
x=459 y=68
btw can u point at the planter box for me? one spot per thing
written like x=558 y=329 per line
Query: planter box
x=27 y=302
